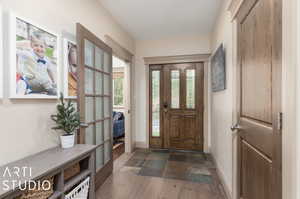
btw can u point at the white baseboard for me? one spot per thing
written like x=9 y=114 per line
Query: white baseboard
x=142 y=145
x=222 y=179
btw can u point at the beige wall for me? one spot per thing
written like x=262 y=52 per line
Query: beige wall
x=222 y=102
x=25 y=124
x=183 y=45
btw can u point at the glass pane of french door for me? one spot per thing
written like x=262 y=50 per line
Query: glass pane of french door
x=95 y=98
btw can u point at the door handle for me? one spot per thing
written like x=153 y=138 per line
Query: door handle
x=165 y=106
x=236 y=127
x=84 y=125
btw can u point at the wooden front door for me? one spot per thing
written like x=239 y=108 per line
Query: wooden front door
x=259 y=100
x=176 y=106
x=95 y=99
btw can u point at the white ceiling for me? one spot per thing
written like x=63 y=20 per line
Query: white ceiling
x=154 y=19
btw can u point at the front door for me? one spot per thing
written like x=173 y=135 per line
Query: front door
x=95 y=99
x=259 y=100
x=176 y=114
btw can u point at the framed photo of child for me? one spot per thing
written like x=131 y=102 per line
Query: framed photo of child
x=70 y=69
x=34 y=61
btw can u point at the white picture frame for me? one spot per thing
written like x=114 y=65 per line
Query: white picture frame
x=66 y=70
x=31 y=26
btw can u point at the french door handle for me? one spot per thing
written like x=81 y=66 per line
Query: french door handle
x=236 y=127
x=84 y=125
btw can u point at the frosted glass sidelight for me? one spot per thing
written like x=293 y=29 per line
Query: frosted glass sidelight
x=155 y=103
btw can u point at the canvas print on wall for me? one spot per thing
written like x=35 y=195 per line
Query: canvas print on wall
x=218 y=70
x=70 y=69
x=34 y=68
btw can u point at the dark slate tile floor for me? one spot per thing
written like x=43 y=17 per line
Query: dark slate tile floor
x=187 y=166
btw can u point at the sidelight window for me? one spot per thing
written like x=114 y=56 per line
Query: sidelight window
x=155 y=103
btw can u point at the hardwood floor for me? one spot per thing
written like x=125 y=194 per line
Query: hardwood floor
x=182 y=177
x=118 y=150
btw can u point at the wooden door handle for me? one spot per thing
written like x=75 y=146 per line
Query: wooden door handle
x=165 y=107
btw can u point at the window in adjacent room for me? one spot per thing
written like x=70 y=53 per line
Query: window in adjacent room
x=118 y=82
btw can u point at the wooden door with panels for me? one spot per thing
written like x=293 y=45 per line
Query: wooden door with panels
x=95 y=99
x=259 y=100
x=176 y=104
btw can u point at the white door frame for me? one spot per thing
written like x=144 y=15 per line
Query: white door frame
x=128 y=57
x=204 y=58
x=127 y=108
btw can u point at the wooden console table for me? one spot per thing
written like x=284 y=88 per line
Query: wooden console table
x=52 y=163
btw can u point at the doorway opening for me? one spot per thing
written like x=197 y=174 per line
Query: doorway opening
x=120 y=108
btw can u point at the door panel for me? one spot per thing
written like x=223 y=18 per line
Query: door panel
x=259 y=96
x=94 y=99
x=256 y=179
x=175 y=124
x=189 y=128
x=176 y=106
x=257 y=63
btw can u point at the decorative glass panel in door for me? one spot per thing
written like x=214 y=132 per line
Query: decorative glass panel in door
x=95 y=99
x=190 y=88
x=175 y=88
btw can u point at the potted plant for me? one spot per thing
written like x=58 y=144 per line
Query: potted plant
x=67 y=119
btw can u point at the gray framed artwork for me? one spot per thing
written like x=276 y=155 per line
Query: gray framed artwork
x=218 y=70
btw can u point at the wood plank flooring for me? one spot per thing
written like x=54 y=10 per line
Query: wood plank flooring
x=118 y=150
x=182 y=177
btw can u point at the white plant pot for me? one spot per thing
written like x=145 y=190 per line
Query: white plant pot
x=67 y=141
